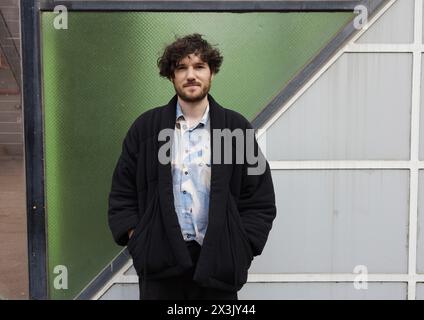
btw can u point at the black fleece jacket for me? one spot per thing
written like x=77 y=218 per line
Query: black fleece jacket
x=241 y=211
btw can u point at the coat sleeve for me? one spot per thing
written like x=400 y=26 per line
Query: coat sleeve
x=257 y=201
x=123 y=202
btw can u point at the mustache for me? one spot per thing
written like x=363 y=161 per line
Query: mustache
x=192 y=84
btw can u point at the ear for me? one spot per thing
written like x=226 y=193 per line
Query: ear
x=212 y=75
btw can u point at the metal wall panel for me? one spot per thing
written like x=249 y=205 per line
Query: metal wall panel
x=131 y=272
x=330 y=221
x=122 y=291
x=396 y=26
x=359 y=109
x=322 y=291
x=420 y=291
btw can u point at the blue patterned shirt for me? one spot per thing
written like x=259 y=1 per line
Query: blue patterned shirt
x=191 y=174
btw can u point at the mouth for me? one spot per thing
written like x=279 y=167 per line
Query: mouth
x=192 y=85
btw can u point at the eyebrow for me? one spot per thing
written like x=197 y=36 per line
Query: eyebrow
x=196 y=64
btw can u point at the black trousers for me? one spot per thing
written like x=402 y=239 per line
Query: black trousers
x=182 y=287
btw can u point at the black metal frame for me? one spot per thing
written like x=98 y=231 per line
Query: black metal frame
x=34 y=149
x=208 y=6
x=32 y=100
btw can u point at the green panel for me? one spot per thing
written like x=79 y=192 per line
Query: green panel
x=100 y=74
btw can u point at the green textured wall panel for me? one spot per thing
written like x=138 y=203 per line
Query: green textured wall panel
x=100 y=74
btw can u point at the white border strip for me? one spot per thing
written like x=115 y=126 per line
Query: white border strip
x=354 y=164
x=415 y=144
x=378 y=48
x=333 y=277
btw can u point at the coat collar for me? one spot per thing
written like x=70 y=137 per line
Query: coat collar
x=216 y=114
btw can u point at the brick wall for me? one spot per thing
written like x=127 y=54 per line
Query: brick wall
x=10 y=11
x=11 y=130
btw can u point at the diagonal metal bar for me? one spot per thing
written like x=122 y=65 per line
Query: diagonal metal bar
x=314 y=66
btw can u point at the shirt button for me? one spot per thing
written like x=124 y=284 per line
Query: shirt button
x=184 y=192
x=200 y=164
x=186 y=151
x=184 y=127
x=186 y=172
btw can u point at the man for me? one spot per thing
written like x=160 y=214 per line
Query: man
x=192 y=225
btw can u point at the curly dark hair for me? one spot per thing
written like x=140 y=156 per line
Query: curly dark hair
x=184 y=46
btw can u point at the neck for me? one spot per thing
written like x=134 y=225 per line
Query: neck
x=193 y=110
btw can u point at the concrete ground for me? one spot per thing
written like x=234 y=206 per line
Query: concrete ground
x=13 y=232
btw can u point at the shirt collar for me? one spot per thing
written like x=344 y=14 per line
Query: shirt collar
x=204 y=119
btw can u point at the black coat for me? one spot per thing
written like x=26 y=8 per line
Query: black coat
x=241 y=211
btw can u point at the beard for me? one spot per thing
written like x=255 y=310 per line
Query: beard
x=193 y=98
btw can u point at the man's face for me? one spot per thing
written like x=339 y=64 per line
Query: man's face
x=192 y=78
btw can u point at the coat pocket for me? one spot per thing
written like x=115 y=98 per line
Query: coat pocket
x=234 y=253
x=137 y=244
x=159 y=256
x=243 y=254
x=235 y=215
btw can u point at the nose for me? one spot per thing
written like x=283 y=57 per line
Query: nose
x=190 y=73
